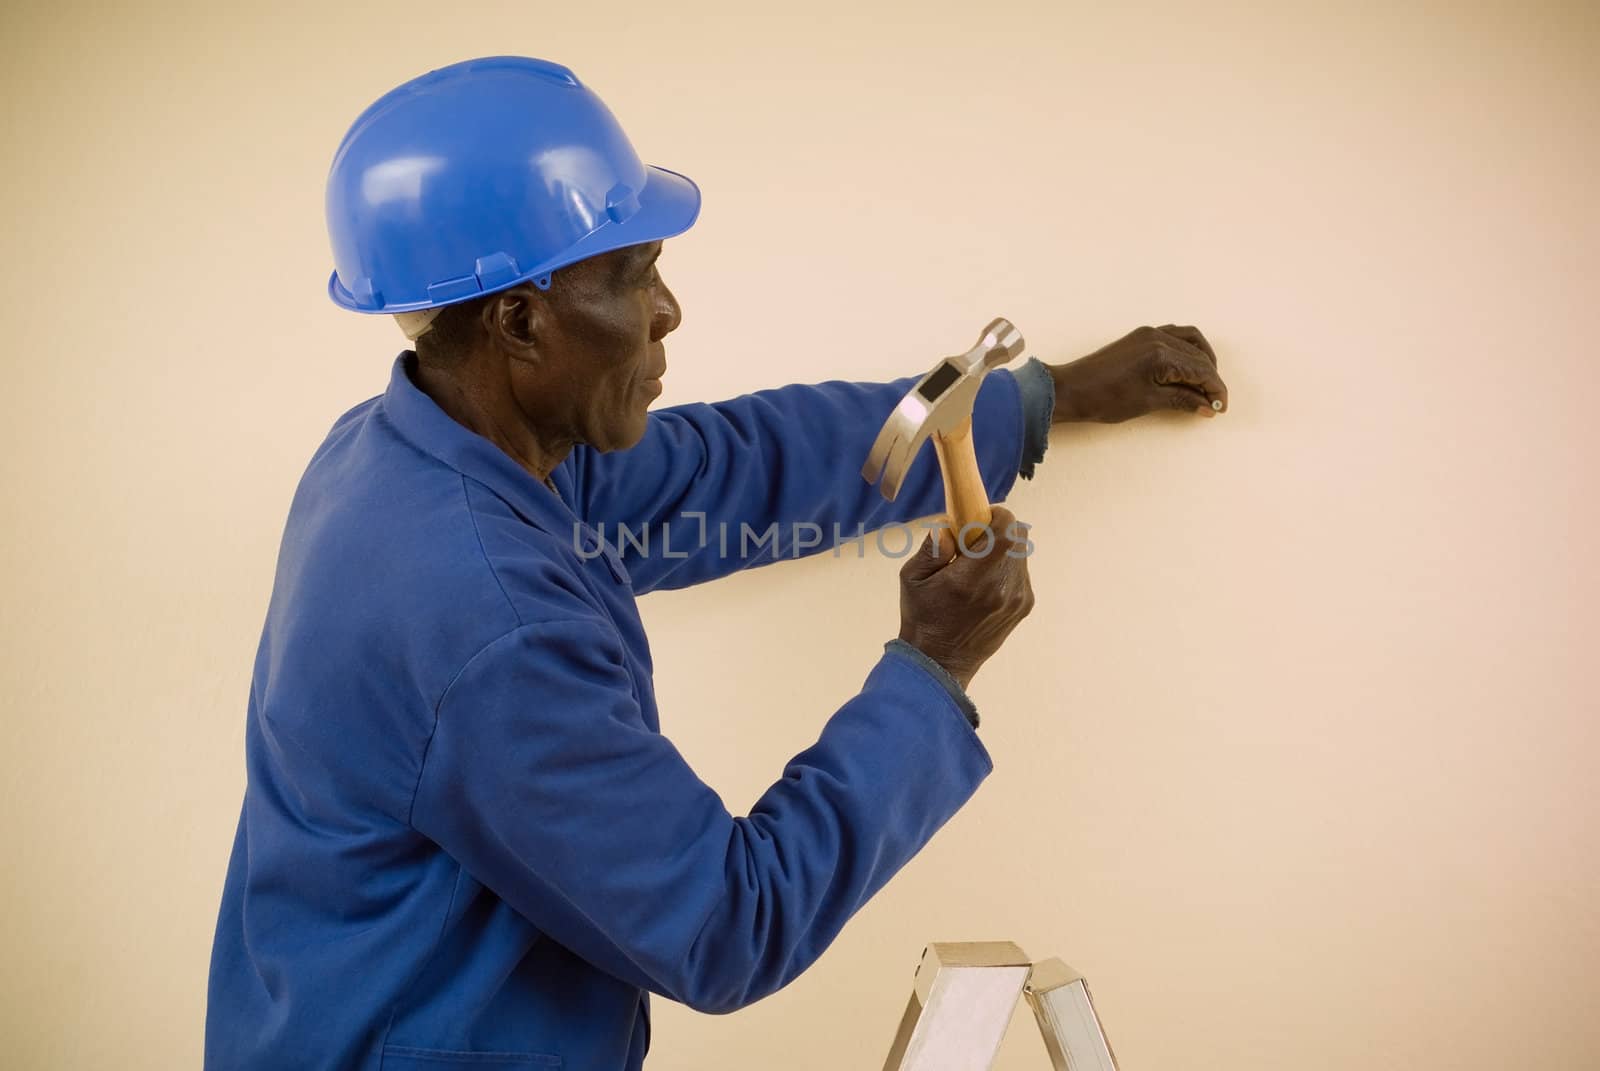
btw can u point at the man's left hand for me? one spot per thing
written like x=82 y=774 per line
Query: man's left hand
x=1149 y=368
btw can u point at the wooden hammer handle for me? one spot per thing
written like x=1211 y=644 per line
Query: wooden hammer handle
x=965 y=499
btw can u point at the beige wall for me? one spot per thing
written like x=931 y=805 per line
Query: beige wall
x=1295 y=758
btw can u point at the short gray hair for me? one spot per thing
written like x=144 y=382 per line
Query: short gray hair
x=452 y=331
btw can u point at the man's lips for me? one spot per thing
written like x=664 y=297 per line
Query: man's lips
x=654 y=378
x=652 y=383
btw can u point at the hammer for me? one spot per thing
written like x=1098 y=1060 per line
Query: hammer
x=940 y=405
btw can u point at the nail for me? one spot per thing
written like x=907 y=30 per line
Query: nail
x=1216 y=403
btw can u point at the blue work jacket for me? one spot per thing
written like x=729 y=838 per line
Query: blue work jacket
x=464 y=840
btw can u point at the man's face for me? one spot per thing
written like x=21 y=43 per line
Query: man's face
x=601 y=357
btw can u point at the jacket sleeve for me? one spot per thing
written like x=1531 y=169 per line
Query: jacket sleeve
x=718 y=487
x=544 y=783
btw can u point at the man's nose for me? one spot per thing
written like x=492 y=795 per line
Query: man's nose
x=668 y=314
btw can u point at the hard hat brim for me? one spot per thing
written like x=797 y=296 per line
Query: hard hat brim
x=669 y=204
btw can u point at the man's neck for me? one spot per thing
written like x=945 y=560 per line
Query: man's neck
x=490 y=411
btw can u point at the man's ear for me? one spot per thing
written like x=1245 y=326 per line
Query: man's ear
x=515 y=321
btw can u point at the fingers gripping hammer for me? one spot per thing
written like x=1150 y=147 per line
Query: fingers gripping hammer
x=940 y=406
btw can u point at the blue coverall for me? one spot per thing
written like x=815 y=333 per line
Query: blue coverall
x=465 y=842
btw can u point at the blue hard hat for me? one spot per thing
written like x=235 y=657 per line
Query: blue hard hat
x=476 y=176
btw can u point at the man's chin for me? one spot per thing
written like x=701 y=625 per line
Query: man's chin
x=630 y=438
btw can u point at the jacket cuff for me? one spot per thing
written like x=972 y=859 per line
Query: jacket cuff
x=1038 y=410
x=939 y=674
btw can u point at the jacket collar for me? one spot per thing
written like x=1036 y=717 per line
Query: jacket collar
x=421 y=422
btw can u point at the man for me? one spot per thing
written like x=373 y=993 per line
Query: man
x=464 y=840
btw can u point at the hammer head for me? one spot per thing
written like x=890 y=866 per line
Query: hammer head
x=940 y=401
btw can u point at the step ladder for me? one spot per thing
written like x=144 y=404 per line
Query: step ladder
x=963 y=999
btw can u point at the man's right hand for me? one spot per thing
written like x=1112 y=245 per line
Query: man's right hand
x=958 y=607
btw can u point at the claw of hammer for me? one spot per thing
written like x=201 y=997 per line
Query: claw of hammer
x=940 y=406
